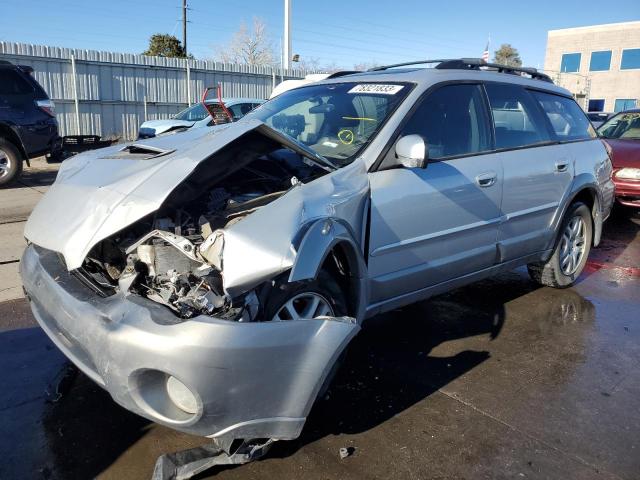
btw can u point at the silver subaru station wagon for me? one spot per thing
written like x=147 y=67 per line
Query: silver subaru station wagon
x=210 y=281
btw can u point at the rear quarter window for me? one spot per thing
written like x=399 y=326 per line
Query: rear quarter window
x=12 y=83
x=567 y=119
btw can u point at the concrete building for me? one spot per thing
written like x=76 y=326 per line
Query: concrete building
x=599 y=64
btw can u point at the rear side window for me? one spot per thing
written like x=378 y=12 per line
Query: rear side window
x=12 y=83
x=568 y=120
x=517 y=120
x=452 y=121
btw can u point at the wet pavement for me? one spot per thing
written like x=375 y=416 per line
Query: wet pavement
x=500 y=379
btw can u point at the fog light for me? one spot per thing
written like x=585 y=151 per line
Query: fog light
x=180 y=394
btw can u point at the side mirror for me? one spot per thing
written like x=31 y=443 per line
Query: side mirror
x=411 y=151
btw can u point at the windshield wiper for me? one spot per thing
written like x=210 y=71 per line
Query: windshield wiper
x=302 y=149
x=313 y=153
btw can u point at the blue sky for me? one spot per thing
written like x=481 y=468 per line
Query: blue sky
x=332 y=31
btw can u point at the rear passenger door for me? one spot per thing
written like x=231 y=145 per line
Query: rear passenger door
x=537 y=170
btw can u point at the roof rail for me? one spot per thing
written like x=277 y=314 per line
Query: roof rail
x=342 y=73
x=472 y=64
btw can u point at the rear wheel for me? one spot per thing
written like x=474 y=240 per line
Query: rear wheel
x=570 y=254
x=10 y=162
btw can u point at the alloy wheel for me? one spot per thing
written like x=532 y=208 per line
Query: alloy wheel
x=5 y=164
x=572 y=245
x=307 y=305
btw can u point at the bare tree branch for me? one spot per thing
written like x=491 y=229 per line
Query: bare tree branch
x=249 y=47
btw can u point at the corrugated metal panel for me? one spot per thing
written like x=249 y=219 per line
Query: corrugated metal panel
x=112 y=86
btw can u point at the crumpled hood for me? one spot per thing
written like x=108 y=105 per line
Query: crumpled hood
x=160 y=126
x=96 y=194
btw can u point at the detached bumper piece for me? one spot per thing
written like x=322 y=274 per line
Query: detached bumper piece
x=187 y=463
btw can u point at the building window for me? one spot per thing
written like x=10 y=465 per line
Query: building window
x=596 y=105
x=600 y=61
x=630 y=59
x=623 y=104
x=570 y=62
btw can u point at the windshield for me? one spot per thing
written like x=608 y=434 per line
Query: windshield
x=193 y=114
x=335 y=120
x=623 y=125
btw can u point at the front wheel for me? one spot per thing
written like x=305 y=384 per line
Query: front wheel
x=571 y=251
x=309 y=300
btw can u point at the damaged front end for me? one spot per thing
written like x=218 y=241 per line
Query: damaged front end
x=174 y=256
x=155 y=284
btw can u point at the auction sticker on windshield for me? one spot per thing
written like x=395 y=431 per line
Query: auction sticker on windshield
x=376 y=88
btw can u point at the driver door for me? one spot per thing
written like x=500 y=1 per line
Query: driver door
x=433 y=224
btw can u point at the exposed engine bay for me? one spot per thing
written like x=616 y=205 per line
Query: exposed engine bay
x=173 y=256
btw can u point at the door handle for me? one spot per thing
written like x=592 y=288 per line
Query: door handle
x=486 y=179
x=562 y=165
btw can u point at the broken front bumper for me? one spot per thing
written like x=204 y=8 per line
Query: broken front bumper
x=249 y=380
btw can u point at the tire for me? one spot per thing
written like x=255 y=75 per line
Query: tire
x=563 y=269
x=324 y=285
x=10 y=162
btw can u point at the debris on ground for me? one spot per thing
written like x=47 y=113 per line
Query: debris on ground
x=347 y=452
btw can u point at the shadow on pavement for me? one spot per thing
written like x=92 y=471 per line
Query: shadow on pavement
x=35 y=178
x=389 y=368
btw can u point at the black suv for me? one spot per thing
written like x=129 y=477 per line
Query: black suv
x=28 y=126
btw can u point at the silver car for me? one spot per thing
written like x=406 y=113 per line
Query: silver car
x=199 y=115
x=210 y=281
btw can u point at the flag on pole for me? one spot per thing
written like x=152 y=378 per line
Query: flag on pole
x=485 y=54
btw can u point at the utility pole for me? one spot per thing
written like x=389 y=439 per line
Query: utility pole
x=184 y=26
x=287 y=34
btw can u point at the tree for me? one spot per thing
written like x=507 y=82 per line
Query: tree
x=307 y=63
x=507 y=55
x=164 y=45
x=249 y=47
x=364 y=66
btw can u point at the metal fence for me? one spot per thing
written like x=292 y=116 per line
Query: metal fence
x=111 y=94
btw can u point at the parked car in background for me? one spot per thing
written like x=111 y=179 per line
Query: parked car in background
x=211 y=281
x=28 y=126
x=622 y=134
x=310 y=78
x=598 y=118
x=198 y=115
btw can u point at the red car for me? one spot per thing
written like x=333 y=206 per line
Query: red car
x=622 y=133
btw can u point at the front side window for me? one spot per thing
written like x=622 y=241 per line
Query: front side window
x=335 y=120
x=630 y=59
x=194 y=113
x=623 y=104
x=570 y=62
x=452 y=121
x=568 y=120
x=623 y=125
x=600 y=61
x=516 y=118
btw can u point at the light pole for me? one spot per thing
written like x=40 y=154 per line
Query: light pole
x=287 y=35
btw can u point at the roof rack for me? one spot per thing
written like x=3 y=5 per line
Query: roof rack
x=471 y=64
x=342 y=73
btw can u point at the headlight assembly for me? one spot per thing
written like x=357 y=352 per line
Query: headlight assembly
x=628 y=173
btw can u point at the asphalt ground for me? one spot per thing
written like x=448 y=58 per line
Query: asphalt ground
x=499 y=379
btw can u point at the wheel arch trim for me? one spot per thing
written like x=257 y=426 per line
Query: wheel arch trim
x=318 y=241
x=581 y=183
